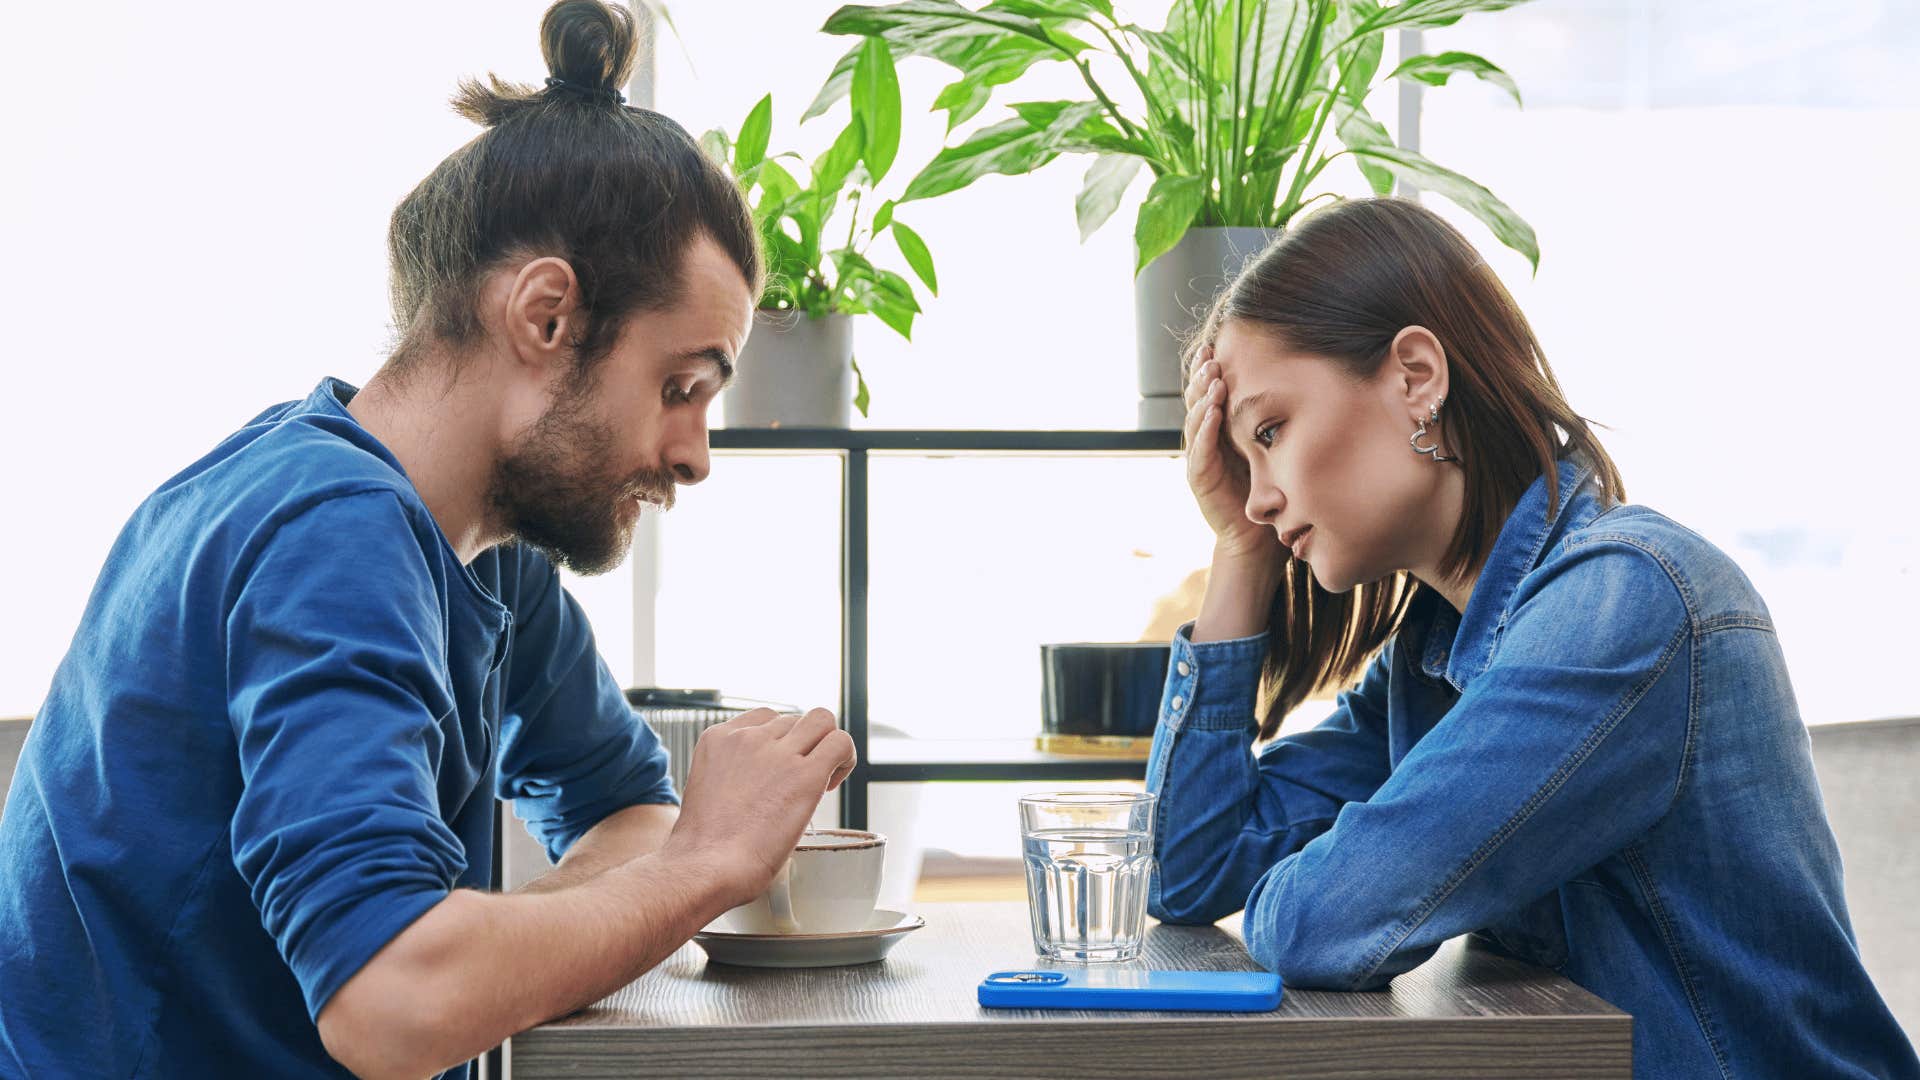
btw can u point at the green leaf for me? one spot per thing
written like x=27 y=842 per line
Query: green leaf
x=876 y=104
x=1107 y=180
x=925 y=18
x=1357 y=129
x=777 y=187
x=963 y=100
x=1427 y=14
x=890 y=311
x=1269 y=160
x=1084 y=129
x=1053 y=9
x=782 y=266
x=988 y=48
x=717 y=147
x=1365 y=63
x=1068 y=45
x=853 y=266
x=984 y=63
x=1475 y=199
x=1041 y=114
x=1168 y=48
x=1169 y=209
x=883 y=216
x=754 y=131
x=897 y=288
x=1051 y=15
x=1436 y=69
x=840 y=81
x=831 y=168
x=986 y=54
x=1012 y=147
x=861 y=396
x=914 y=250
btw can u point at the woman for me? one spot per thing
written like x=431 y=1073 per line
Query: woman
x=1574 y=732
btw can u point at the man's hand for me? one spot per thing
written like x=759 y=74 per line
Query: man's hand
x=754 y=783
x=479 y=967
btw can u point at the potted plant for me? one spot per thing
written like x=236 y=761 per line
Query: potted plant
x=798 y=368
x=1228 y=107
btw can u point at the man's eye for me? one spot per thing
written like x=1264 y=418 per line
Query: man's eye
x=674 y=394
x=1264 y=434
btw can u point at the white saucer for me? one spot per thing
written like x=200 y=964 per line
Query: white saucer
x=863 y=946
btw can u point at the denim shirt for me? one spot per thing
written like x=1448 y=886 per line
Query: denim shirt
x=1598 y=768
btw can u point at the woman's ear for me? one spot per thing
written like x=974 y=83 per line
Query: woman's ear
x=1416 y=371
x=540 y=305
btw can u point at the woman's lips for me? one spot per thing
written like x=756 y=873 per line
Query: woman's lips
x=1299 y=544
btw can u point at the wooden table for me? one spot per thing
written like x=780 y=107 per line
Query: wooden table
x=1467 y=1012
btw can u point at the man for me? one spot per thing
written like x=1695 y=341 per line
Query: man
x=251 y=827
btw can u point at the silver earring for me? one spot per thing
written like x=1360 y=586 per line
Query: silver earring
x=1433 y=416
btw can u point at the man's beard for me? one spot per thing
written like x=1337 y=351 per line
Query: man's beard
x=552 y=490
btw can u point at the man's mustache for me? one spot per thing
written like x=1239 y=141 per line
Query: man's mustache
x=654 y=486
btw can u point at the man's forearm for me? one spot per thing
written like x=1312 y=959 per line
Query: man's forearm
x=479 y=967
x=619 y=837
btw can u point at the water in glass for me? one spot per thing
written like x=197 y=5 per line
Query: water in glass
x=1087 y=892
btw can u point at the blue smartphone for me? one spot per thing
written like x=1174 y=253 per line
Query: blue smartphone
x=1107 y=988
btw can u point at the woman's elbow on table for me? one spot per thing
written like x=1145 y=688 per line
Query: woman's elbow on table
x=1308 y=959
x=1314 y=945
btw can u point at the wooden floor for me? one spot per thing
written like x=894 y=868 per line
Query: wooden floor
x=993 y=887
x=946 y=877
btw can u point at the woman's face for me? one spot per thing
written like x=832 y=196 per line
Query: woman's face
x=1330 y=454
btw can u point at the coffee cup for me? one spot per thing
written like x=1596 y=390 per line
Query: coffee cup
x=828 y=886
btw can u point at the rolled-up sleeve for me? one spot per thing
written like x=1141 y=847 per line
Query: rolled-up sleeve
x=1224 y=816
x=1568 y=746
x=333 y=696
x=572 y=750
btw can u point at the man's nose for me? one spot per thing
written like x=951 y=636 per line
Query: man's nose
x=689 y=458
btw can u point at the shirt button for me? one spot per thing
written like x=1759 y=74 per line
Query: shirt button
x=1177 y=702
x=1183 y=668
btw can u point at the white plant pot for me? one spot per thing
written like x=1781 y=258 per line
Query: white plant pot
x=795 y=371
x=1170 y=297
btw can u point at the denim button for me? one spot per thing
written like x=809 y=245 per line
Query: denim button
x=1183 y=668
x=1178 y=701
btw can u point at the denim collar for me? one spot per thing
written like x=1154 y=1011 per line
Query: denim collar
x=1458 y=647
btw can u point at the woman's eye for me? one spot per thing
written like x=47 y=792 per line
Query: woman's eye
x=1264 y=434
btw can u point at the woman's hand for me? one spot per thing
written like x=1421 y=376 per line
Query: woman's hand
x=1215 y=471
x=1246 y=556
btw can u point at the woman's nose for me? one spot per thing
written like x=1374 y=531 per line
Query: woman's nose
x=1264 y=502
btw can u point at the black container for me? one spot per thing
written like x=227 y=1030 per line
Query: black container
x=1101 y=693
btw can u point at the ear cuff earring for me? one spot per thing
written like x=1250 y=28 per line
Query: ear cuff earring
x=1433 y=417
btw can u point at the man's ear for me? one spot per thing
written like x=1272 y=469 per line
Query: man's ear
x=1417 y=370
x=542 y=304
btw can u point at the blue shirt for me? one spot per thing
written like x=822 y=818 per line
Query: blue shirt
x=1598 y=768
x=276 y=741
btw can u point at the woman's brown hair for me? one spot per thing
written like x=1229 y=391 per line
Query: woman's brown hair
x=1340 y=285
x=566 y=170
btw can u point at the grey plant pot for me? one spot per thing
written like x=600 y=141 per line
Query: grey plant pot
x=1170 y=297
x=795 y=371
